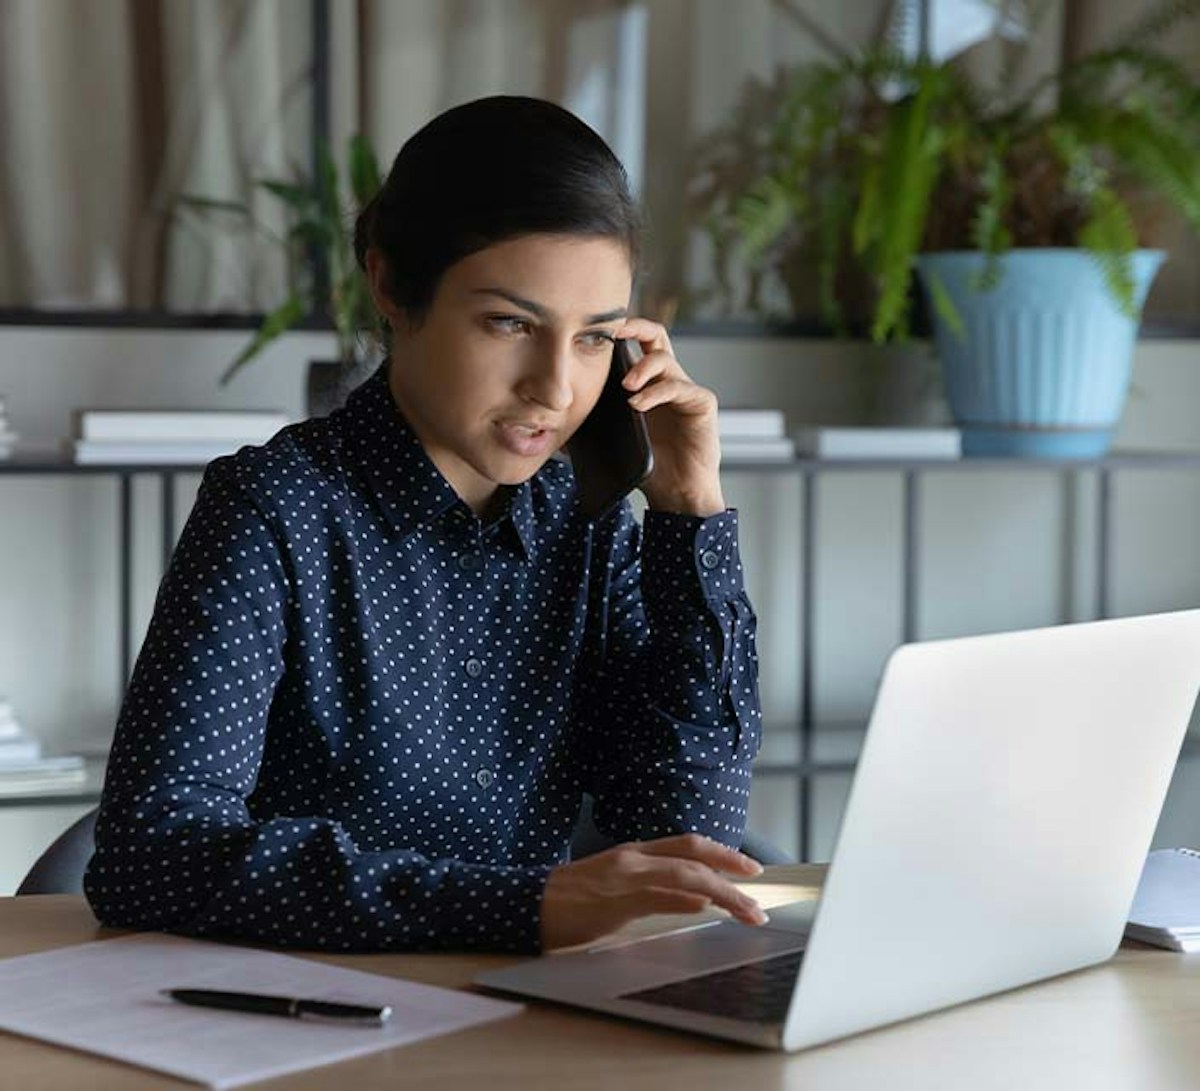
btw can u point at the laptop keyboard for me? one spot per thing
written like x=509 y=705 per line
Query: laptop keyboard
x=758 y=992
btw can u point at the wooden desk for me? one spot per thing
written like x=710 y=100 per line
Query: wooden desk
x=1131 y=1024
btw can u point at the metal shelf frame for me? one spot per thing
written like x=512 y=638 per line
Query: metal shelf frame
x=912 y=471
x=123 y=474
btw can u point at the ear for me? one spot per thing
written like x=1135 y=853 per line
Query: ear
x=378 y=283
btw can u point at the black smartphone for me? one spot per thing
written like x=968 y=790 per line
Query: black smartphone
x=610 y=451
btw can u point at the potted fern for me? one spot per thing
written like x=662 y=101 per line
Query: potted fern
x=318 y=237
x=1024 y=214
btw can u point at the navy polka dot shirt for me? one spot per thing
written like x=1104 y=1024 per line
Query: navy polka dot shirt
x=362 y=718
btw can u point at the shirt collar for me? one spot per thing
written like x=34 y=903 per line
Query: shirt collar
x=520 y=512
x=408 y=487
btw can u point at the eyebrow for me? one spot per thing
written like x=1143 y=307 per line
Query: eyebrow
x=543 y=312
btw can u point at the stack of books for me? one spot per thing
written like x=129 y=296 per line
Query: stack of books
x=878 y=442
x=1166 y=907
x=754 y=435
x=169 y=436
x=23 y=768
x=8 y=438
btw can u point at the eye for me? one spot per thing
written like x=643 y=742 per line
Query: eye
x=597 y=340
x=509 y=323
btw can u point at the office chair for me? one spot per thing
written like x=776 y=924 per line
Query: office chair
x=59 y=870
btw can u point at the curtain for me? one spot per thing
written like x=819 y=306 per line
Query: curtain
x=421 y=57
x=67 y=188
x=110 y=109
x=237 y=107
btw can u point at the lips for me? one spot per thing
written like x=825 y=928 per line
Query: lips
x=529 y=439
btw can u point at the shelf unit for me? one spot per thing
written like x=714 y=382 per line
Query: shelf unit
x=804 y=766
x=85 y=791
x=801 y=763
x=123 y=473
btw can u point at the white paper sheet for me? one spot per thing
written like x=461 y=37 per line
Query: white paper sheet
x=104 y=998
x=1168 y=893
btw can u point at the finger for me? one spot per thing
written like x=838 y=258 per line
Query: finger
x=698 y=878
x=651 y=336
x=682 y=393
x=661 y=899
x=653 y=366
x=695 y=846
x=692 y=877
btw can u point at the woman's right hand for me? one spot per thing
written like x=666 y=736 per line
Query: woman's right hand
x=590 y=898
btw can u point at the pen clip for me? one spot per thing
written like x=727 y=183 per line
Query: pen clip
x=320 y=1011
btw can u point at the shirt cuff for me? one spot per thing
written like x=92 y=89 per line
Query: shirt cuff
x=673 y=543
x=497 y=908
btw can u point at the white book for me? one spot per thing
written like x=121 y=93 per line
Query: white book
x=176 y=425
x=65 y=763
x=1166 y=907
x=9 y=727
x=751 y=423
x=41 y=775
x=757 y=450
x=19 y=751
x=42 y=784
x=191 y=452
x=878 y=442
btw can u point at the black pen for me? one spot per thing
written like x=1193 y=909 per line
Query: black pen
x=291 y=1007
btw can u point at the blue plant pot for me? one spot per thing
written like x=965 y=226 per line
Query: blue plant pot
x=1042 y=367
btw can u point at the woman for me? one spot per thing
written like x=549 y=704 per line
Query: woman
x=389 y=654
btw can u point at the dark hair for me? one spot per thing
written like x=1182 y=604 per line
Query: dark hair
x=484 y=172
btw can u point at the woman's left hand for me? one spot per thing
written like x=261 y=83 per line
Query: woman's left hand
x=682 y=420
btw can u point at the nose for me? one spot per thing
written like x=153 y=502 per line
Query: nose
x=547 y=378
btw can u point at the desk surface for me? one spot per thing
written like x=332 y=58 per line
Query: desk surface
x=1132 y=1023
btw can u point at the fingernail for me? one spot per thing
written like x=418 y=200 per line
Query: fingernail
x=755 y=867
x=758 y=915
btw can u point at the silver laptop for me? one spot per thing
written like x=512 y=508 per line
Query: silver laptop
x=1000 y=814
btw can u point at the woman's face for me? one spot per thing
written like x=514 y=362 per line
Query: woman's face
x=511 y=357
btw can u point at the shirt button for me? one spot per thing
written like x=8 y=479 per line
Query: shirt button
x=469 y=562
x=474 y=667
x=709 y=559
x=484 y=778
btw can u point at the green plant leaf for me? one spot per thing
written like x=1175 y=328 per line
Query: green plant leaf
x=833 y=212
x=764 y=215
x=328 y=186
x=279 y=321
x=363 y=168
x=912 y=160
x=945 y=306
x=311 y=232
x=931 y=157
x=1168 y=160
x=213 y=204
x=987 y=228
x=1110 y=238
x=868 y=216
x=296 y=195
x=1155 y=22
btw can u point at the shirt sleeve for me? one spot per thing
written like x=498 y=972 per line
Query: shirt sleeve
x=177 y=845
x=667 y=703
